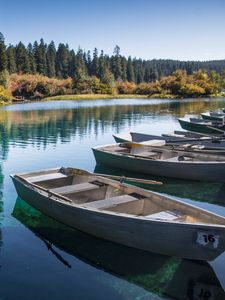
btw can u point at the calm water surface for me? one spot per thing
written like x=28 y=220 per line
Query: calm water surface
x=42 y=259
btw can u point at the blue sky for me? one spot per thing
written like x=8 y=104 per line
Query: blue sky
x=176 y=29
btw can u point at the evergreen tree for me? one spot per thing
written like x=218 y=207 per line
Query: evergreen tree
x=102 y=66
x=62 y=61
x=130 y=70
x=72 y=64
x=116 y=51
x=80 y=67
x=11 y=59
x=89 y=62
x=95 y=63
x=35 y=53
x=124 y=68
x=22 y=59
x=32 y=62
x=146 y=74
x=51 y=59
x=154 y=74
x=116 y=63
x=40 y=57
x=3 y=57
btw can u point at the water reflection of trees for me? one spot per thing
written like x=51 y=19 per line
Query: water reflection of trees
x=161 y=275
x=1 y=205
x=41 y=127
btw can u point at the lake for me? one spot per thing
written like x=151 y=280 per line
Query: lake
x=43 y=259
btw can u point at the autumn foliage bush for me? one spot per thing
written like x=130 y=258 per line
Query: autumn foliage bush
x=38 y=86
x=5 y=94
x=182 y=85
x=126 y=87
x=28 y=86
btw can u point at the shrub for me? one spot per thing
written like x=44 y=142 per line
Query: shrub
x=149 y=88
x=126 y=87
x=5 y=95
x=38 y=86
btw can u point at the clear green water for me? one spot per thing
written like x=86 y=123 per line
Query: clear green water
x=42 y=259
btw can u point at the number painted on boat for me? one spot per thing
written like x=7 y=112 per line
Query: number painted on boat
x=206 y=239
x=203 y=292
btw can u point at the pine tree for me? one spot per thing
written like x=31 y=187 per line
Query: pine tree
x=62 y=61
x=95 y=63
x=11 y=59
x=31 y=56
x=40 y=57
x=3 y=57
x=89 y=62
x=72 y=64
x=102 y=66
x=51 y=59
x=130 y=70
x=116 y=63
x=153 y=76
x=146 y=74
x=123 y=68
x=116 y=51
x=22 y=59
x=80 y=67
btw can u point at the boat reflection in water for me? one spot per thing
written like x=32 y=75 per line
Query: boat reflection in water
x=163 y=276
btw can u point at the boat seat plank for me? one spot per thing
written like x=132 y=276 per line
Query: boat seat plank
x=146 y=154
x=75 y=188
x=46 y=177
x=165 y=215
x=101 y=204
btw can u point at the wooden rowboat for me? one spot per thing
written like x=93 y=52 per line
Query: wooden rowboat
x=203 y=144
x=123 y=214
x=142 y=158
x=202 y=126
x=213 y=116
x=137 y=137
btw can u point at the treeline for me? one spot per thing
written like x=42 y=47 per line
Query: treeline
x=86 y=72
x=63 y=62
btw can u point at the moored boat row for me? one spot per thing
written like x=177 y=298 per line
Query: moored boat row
x=132 y=216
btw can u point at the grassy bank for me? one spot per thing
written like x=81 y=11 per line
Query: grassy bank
x=95 y=97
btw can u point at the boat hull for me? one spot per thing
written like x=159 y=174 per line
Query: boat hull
x=180 y=240
x=212 y=117
x=209 y=171
x=199 y=127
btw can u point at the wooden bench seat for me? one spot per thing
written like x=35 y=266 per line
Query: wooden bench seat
x=75 y=188
x=165 y=215
x=102 y=204
x=147 y=154
x=45 y=177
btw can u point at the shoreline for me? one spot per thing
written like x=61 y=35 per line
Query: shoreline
x=95 y=97
x=103 y=97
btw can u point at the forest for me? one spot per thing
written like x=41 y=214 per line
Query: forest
x=42 y=70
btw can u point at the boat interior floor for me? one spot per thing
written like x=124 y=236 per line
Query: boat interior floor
x=92 y=193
